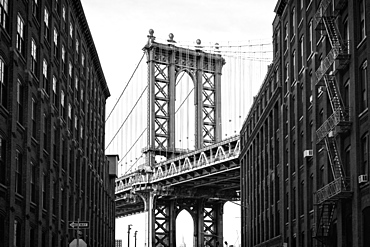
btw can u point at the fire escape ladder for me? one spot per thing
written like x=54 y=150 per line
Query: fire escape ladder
x=325 y=219
x=334 y=158
x=334 y=95
x=333 y=33
x=339 y=49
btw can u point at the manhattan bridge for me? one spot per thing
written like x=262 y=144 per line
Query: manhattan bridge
x=176 y=129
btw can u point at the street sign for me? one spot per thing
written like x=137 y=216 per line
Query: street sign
x=78 y=243
x=78 y=225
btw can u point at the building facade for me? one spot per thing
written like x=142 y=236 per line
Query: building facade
x=305 y=141
x=53 y=170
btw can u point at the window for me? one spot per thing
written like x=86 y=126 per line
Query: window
x=35 y=9
x=20 y=35
x=44 y=131
x=82 y=132
x=57 y=6
x=64 y=17
x=293 y=21
x=18 y=172
x=70 y=69
x=365 y=152
x=63 y=59
x=4 y=18
x=64 y=13
x=362 y=10
x=53 y=199
x=43 y=188
x=77 y=46
x=46 y=23
x=62 y=103
x=33 y=236
x=346 y=32
x=55 y=42
x=19 y=102
x=286 y=75
x=55 y=142
x=54 y=90
x=363 y=86
x=83 y=60
x=294 y=76
x=3 y=87
x=71 y=30
x=301 y=45
x=70 y=115
x=33 y=182
x=45 y=76
x=346 y=93
x=76 y=83
x=2 y=159
x=33 y=117
x=286 y=39
x=33 y=57
x=2 y=228
x=310 y=37
x=17 y=233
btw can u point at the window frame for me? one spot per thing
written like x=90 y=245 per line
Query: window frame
x=20 y=41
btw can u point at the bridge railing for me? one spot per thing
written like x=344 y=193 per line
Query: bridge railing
x=207 y=156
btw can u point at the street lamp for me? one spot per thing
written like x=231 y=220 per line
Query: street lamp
x=135 y=237
x=128 y=236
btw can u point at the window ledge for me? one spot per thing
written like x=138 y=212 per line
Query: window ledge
x=361 y=43
x=364 y=112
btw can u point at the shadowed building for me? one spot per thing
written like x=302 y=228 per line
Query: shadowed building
x=305 y=141
x=53 y=170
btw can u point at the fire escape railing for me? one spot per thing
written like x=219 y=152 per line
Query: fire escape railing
x=337 y=189
x=338 y=122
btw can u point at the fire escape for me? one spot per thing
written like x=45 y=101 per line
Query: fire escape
x=326 y=198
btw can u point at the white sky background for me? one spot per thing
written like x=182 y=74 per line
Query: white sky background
x=120 y=28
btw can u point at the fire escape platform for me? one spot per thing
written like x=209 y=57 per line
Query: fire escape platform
x=335 y=190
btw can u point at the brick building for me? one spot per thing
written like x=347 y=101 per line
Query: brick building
x=305 y=142
x=53 y=170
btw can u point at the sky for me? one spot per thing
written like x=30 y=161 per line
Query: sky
x=119 y=29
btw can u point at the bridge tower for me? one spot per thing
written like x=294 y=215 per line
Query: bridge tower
x=165 y=62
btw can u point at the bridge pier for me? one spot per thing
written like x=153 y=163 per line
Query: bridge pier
x=162 y=213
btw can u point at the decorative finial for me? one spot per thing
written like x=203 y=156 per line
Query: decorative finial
x=151 y=38
x=171 y=38
x=217 y=48
x=198 y=46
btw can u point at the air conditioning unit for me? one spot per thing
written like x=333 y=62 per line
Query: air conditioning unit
x=331 y=133
x=362 y=179
x=308 y=153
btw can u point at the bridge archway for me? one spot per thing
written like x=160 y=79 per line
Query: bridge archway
x=232 y=223
x=185 y=110
x=184 y=228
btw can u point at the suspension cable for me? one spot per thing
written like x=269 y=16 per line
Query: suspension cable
x=141 y=95
x=141 y=59
x=132 y=146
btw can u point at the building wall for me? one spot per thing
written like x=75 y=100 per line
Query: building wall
x=53 y=170
x=279 y=182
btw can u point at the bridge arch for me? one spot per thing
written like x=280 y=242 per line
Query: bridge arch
x=185 y=110
x=185 y=228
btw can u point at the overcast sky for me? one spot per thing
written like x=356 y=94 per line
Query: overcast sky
x=120 y=28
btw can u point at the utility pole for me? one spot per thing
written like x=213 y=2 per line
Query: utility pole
x=135 y=237
x=128 y=235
